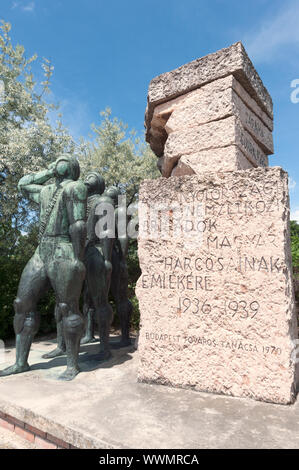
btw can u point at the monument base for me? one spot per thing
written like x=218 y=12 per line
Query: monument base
x=105 y=407
x=216 y=292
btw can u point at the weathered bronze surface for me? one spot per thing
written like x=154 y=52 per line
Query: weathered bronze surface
x=98 y=254
x=57 y=262
x=119 y=280
x=118 y=277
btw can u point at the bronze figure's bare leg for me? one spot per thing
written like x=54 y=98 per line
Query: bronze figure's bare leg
x=89 y=316
x=124 y=306
x=96 y=278
x=89 y=327
x=119 y=290
x=61 y=348
x=67 y=277
x=33 y=284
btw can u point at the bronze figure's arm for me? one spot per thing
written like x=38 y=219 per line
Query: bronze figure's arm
x=77 y=218
x=32 y=184
x=122 y=234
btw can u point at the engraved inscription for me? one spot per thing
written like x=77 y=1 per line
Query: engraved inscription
x=242 y=308
x=233 y=345
x=216 y=313
x=252 y=150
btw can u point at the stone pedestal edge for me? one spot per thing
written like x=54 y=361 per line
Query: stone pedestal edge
x=41 y=439
x=44 y=433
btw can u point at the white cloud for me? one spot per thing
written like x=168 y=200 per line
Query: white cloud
x=24 y=7
x=275 y=33
x=29 y=7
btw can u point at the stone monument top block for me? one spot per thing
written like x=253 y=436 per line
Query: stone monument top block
x=232 y=60
x=215 y=102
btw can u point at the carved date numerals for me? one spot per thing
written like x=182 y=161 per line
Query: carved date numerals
x=271 y=350
x=241 y=309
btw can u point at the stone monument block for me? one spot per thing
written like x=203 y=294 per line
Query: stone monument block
x=216 y=294
x=213 y=135
x=232 y=60
x=219 y=101
x=212 y=102
x=229 y=158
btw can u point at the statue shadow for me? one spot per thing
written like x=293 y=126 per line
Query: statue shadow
x=89 y=358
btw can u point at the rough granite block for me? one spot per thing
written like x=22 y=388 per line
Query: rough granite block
x=212 y=104
x=216 y=100
x=224 y=158
x=232 y=60
x=212 y=135
x=216 y=292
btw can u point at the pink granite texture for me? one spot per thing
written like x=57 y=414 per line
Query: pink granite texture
x=216 y=102
x=216 y=294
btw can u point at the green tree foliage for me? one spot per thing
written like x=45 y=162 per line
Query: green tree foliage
x=295 y=245
x=121 y=157
x=295 y=255
x=28 y=141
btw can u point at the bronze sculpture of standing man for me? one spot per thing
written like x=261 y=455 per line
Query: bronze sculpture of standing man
x=57 y=261
x=98 y=254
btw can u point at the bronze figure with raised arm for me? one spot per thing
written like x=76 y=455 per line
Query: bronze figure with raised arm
x=57 y=261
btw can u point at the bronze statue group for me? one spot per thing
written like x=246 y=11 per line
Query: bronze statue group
x=76 y=253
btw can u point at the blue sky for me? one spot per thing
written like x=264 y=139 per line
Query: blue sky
x=105 y=52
